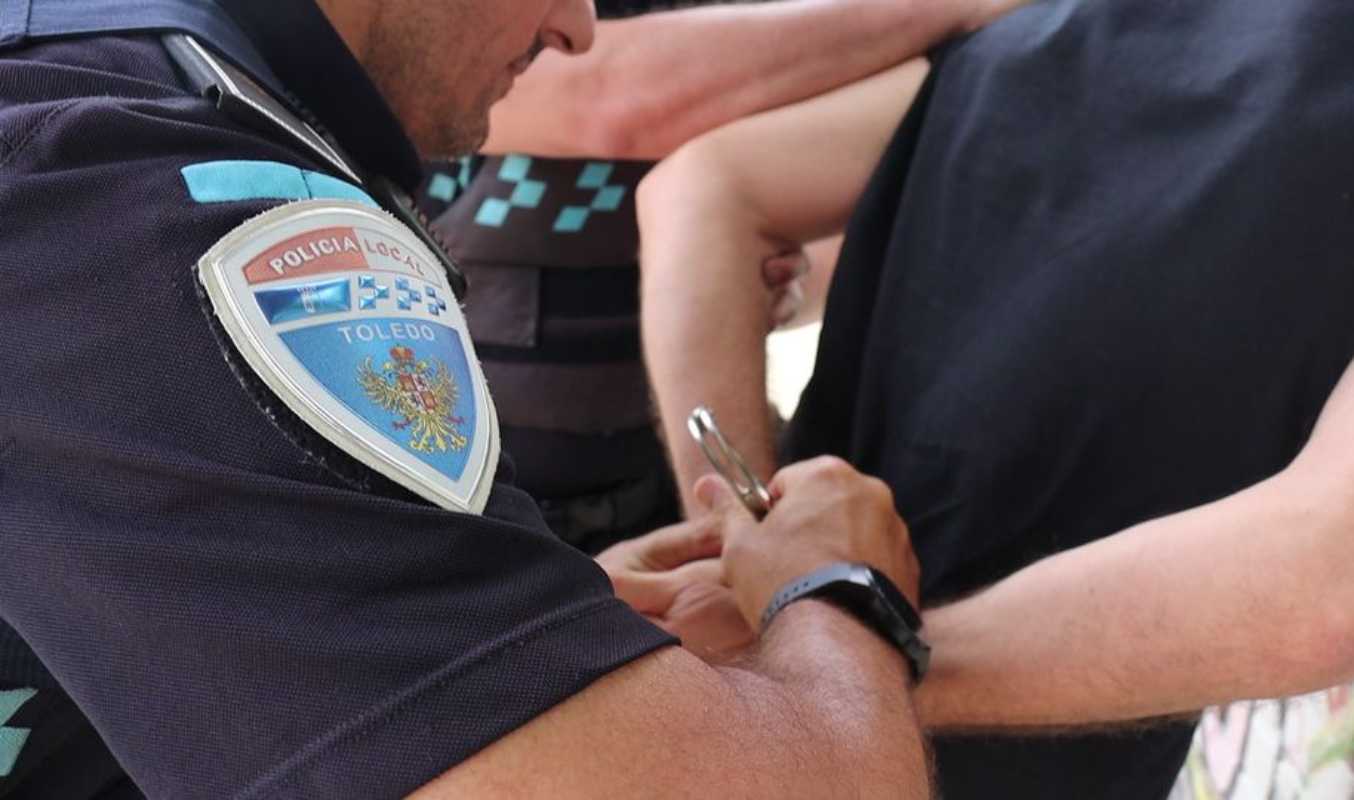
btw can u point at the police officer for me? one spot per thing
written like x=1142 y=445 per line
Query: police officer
x=551 y=242
x=258 y=533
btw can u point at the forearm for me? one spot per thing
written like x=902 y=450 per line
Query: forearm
x=704 y=322
x=1247 y=597
x=653 y=82
x=849 y=694
x=803 y=718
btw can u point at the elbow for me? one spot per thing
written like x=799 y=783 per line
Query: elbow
x=669 y=209
x=697 y=194
x=653 y=193
x=689 y=182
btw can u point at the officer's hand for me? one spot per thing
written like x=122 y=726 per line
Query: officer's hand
x=783 y=275
x=706 y=616
x=648 y=572
x=674 y=577
x=825 y=511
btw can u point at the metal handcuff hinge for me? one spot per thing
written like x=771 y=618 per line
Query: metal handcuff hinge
x=754 y=495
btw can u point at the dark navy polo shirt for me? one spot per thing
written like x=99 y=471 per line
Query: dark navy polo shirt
x=232 y=617
x=1103 y=274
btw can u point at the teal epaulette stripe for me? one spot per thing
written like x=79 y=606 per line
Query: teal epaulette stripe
x=231 y=181
x=12 y=739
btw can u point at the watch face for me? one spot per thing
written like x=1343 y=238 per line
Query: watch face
x=895 y=600
x=894 y=611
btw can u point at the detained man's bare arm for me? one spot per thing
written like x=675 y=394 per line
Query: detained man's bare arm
x=711 y=214
x=821 y=709
x=653 y=82
x=1247 y=597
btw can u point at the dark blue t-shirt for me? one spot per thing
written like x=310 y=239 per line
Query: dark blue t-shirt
x=233 y=618
x=1102 y=275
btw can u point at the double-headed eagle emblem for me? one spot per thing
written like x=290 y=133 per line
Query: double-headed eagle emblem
x=421 y=395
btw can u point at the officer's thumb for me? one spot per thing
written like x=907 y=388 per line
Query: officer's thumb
x=714 y=494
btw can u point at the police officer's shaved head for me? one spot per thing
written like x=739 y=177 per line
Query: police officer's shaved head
x=441 y=65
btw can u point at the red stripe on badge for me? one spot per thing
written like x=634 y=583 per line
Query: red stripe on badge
x=311 y=253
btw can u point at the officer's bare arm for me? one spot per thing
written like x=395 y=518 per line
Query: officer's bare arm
x=1246 y=597
x=653 y=82
x=711 y=214
x=820 y=710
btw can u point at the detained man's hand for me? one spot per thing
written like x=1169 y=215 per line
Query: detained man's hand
x=784 y=275
x=674 y=577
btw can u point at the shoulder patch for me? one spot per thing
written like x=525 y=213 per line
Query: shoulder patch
x=348 y=319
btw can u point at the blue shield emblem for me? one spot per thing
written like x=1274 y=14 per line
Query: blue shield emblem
x=349 y=320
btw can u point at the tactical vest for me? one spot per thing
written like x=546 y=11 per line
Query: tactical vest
x=550 y=247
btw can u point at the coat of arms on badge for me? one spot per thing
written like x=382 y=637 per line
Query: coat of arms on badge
x=350 y=321
x=421 y=395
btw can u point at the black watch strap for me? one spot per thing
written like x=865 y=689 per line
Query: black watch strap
x=868 y=595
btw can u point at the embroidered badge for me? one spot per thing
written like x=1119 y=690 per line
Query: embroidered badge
x=345 y=316
x=422 y=395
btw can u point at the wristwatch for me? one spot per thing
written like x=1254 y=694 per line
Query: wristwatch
x=868 y=595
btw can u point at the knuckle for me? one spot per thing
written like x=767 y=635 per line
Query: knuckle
x=879 y=492
x=831 y=468
x=616 y=556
